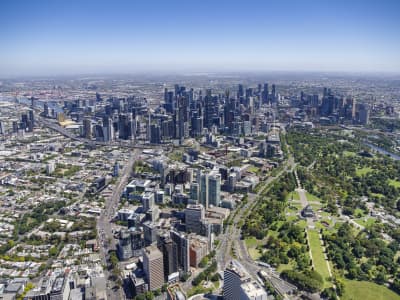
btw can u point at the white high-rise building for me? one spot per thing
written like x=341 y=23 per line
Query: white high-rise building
x=153 y=267
x=252 y=291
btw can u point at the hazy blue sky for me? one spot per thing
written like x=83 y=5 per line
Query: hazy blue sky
x=55 y=37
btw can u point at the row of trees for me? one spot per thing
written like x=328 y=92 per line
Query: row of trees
x=307 y=280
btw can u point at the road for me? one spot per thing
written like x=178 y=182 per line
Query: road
x=230 y=240
x=104 y=228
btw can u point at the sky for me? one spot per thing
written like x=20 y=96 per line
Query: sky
x=53 y=37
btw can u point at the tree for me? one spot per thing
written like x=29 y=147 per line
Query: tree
x=149 y=295
x=53 y=251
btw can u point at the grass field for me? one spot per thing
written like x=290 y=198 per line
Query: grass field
x=283 y=267
x=349 y=153
x=318 y=256
x=394 y=183
x=302 y=223
x=251 y=242
x=365 y=221
x=311 y=197
x=293 y=195
x=364 y=290
x=254 y=253
x=363 y=171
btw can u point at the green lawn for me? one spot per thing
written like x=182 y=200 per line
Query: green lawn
x=283 y=267
x=363 y=171
x=251 y=242
x=349 y=153
x=315 y=206
x=394 y=183
x=359 y=212
x=296 y=204
x=302 y=223
x=254 y=253
x=365 y=290
x=292 y=195
x=318 y=256
x=253 y=169
x=311 y=197
x=319 y=225
x=365 y=221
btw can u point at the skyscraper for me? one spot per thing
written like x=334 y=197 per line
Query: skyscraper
x=153 y=267
x=193 y=216
x=180 y=248
x=87 y=128
x=234 y=276
x=204 y=189
x=214 y=189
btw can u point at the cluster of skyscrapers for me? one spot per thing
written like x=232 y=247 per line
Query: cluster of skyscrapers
x=184 y=113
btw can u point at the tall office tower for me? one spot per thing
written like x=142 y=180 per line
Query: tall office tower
x=148 y=201
x=232 y=179
x=252 y=291
x=214 y=189
x=87 y=128
x=273 y=94
x=168 y=254
x=325 y=92
x=165 y=95
x=150 y=233
x=116 y=169
x=240 y=91
x=182 y=118
x=148 y=127
x=314 y=100
x=302 y=97
x=193 y=216
x=98 y=133
x=24 y=121
x=180 y=248
x=153 y=267
x=234 y=276
x=265 y=93
x=177 y=89
x=194 y=191
x=31 y=120
x=229 y=114
x=209 y=109
x=108 y=129
x=155 y=134
x=249 y=92
x=197 y=125
x=353 y=108
x=363 y=114
x=126 y=126
x=124 y=247
x=46 y=109
x=204 y=190
x=328 y=104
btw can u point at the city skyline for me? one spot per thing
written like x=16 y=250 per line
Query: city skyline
x=64 y=38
